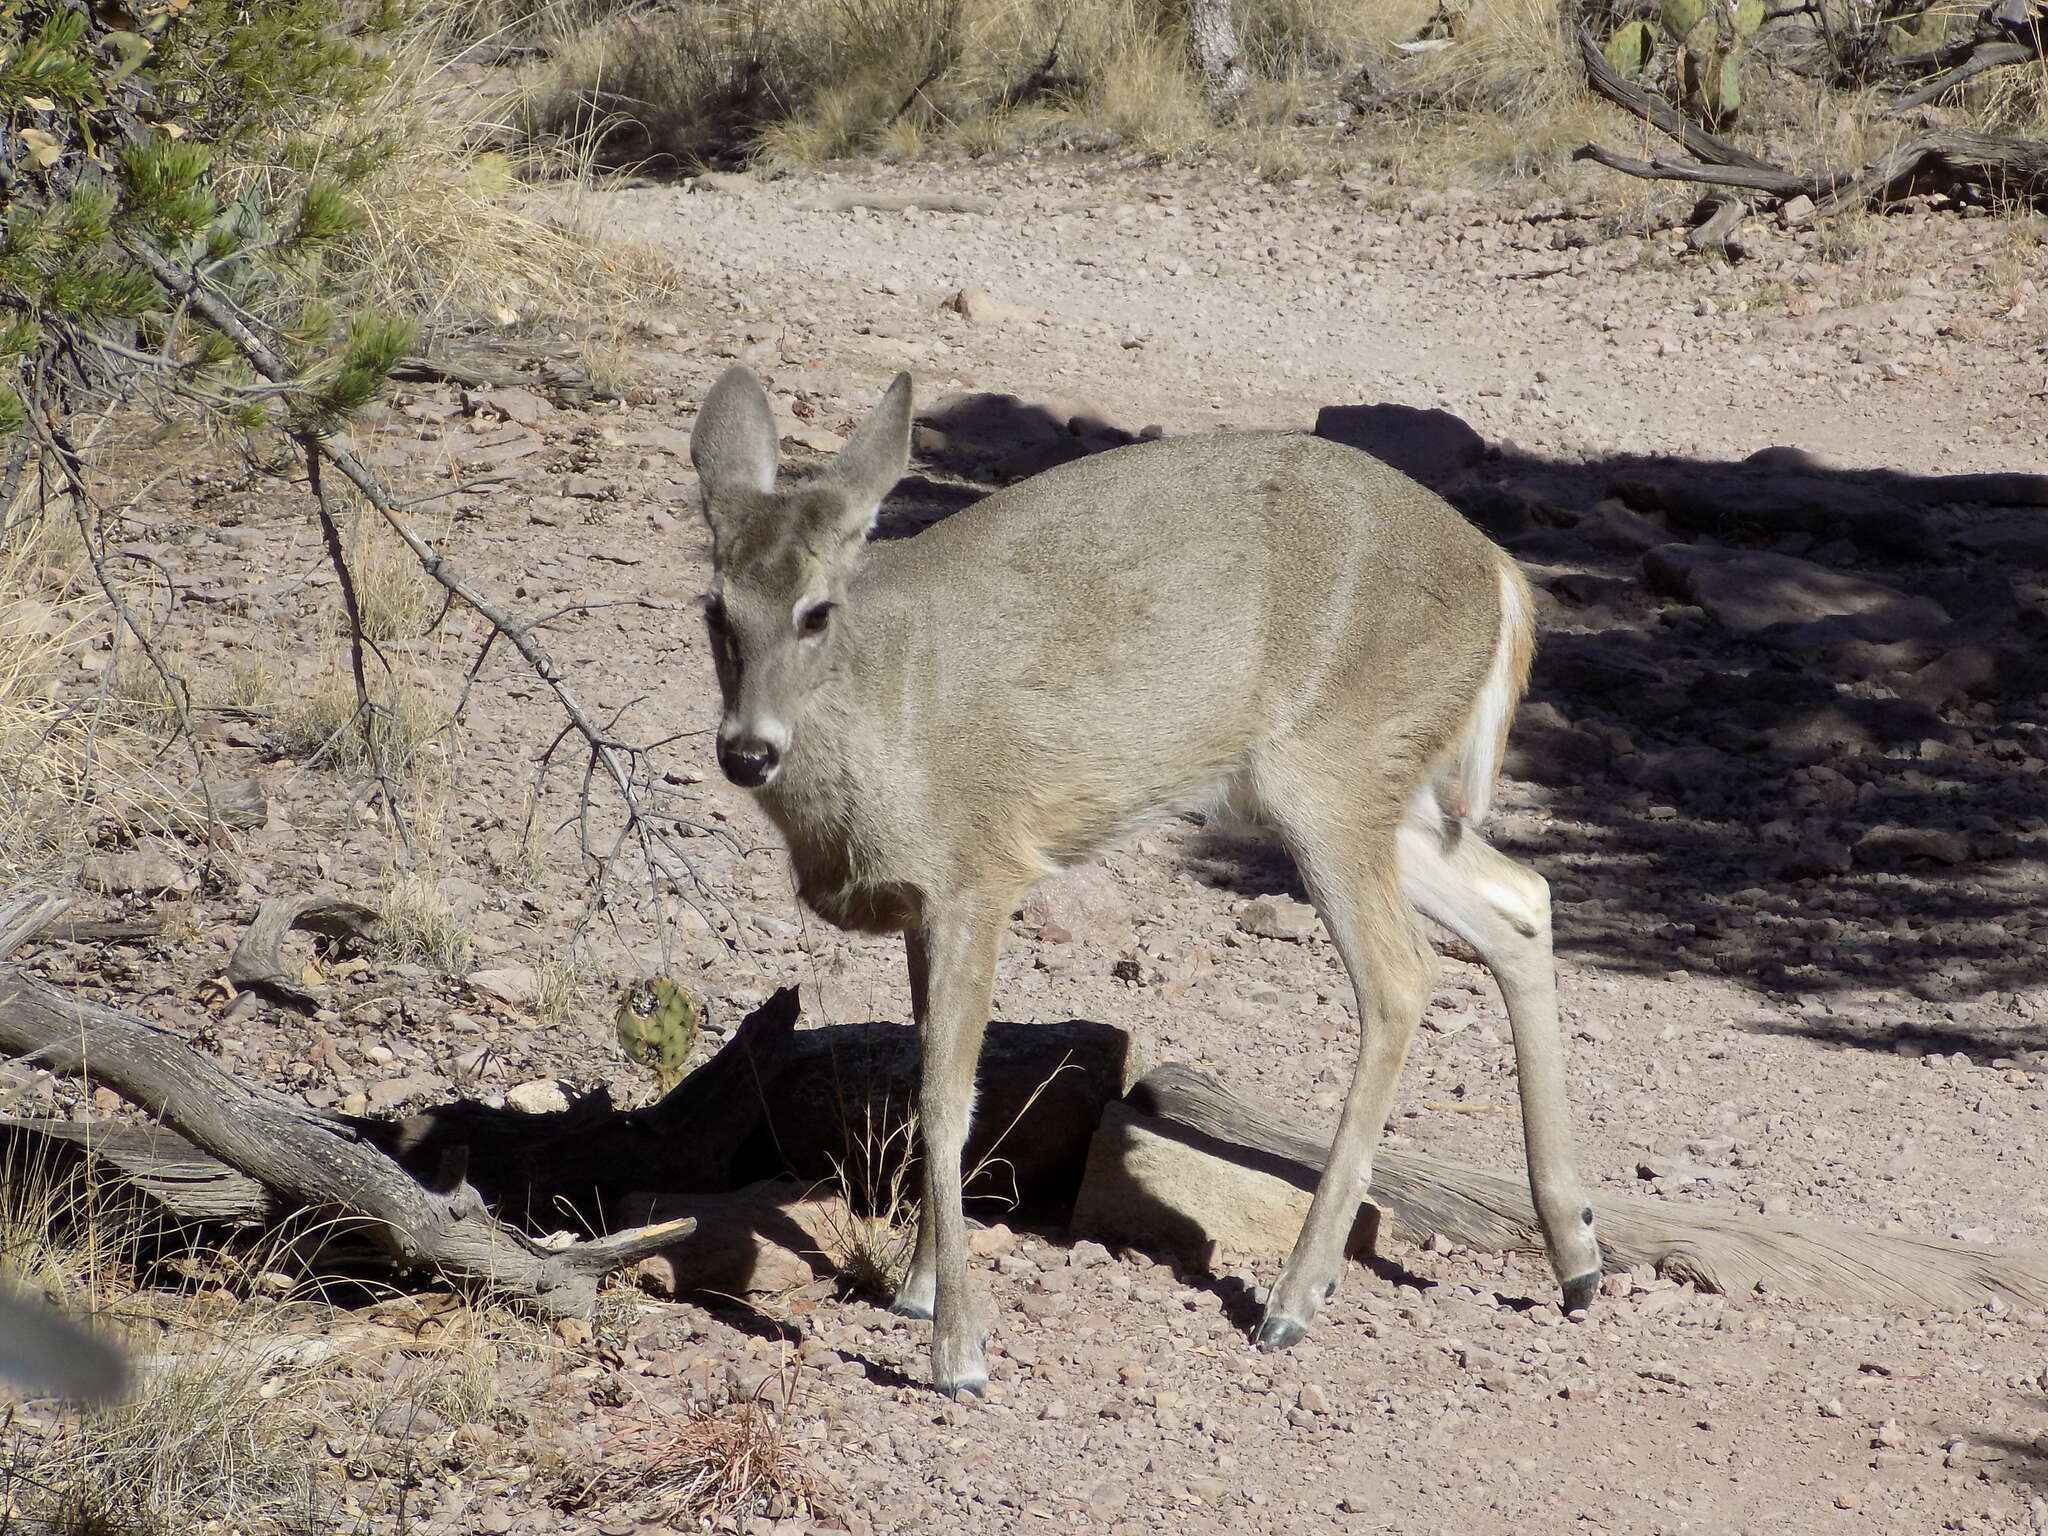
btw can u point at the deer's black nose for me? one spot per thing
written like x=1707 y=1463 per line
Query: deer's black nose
x=749 y=762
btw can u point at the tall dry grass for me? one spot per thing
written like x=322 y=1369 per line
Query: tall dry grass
x=805 y=80
x=68 y=737
x=788 y=82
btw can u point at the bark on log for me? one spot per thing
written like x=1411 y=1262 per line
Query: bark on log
x=190 y=1187
x=315 y=1160
x=1722 y=1251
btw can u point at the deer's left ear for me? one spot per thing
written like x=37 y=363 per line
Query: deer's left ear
x=874 y=458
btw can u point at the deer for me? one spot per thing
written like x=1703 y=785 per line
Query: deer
x=1274 y=625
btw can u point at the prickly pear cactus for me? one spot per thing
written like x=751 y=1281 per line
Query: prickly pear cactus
x=657 y=1023
x=1706 y=39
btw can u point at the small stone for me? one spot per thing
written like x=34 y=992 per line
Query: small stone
x=542 y=1096
x=144 y=872
x=1277 y=917
x=980 y=307
x=408 y=1420
x=1313 y=1398
x=517 y=985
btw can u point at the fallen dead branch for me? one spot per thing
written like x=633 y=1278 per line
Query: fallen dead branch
x=1194 y=1133
x=258 y=960
x=1981 y=165
x=317 y=1161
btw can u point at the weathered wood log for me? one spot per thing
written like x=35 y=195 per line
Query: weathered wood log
x=1998 y=166
x=258 y=963
x=2001 y=167
x=315 y=1160
x=1982 y=57
x=190 y=1187
x=1661 y=115
x=27 y=915
x=1195 y=1134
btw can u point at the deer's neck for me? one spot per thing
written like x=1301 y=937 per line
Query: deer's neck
x=835 y=803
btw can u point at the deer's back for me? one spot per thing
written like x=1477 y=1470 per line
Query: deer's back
x=1116 y=636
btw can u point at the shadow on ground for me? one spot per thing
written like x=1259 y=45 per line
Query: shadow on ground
x=1784 y=723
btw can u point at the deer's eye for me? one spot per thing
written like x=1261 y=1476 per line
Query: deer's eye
x=815 y=620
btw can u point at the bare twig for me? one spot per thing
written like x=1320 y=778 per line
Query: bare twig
x=368 y=710
x=615 y=762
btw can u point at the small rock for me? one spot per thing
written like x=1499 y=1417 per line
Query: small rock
x=1277 y=917
x=1749 y=592
x=542 y=1096
x=408 y=1420
x=520 y=405
x=143 y=872
x=1084 y=902
x=751 y=1241
x=394 y=1091
x=983 y=308
x=514 y=984
x=1891 y=846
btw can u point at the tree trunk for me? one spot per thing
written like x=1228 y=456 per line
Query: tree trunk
x=1219 y=62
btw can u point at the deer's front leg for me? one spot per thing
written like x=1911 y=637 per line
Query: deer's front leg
x=952 y=977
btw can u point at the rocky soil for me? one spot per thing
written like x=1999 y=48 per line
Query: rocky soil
x=1782 y=763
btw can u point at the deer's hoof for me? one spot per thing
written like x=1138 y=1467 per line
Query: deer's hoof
x=1579 y=1291
x=1278 y=1332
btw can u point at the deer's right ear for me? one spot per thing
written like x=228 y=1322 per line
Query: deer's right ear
x=733 y=443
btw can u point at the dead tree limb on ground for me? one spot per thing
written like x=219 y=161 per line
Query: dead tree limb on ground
x=1197 y=1127
x=315 y=1160
x=1991 y=165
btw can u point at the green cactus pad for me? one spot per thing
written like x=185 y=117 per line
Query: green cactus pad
x=657 y=1024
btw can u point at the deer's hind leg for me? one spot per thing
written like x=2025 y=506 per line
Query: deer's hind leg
x=1353 y=875
x=1502 y=909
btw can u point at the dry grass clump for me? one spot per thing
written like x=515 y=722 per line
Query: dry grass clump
x=447 y=230
x=795 y=81
x=62 y=740
x=326 y=726
x=395 y=598
x=783 y=82
x=212 y=1433
x=211 y=1440
x=420 y=925
x=708 y=1466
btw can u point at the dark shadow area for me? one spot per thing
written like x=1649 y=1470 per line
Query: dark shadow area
x=2021 y=1460
x=825 y=1107
x=1983 y=1049
x=1786 y=720
x=1785 y=723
